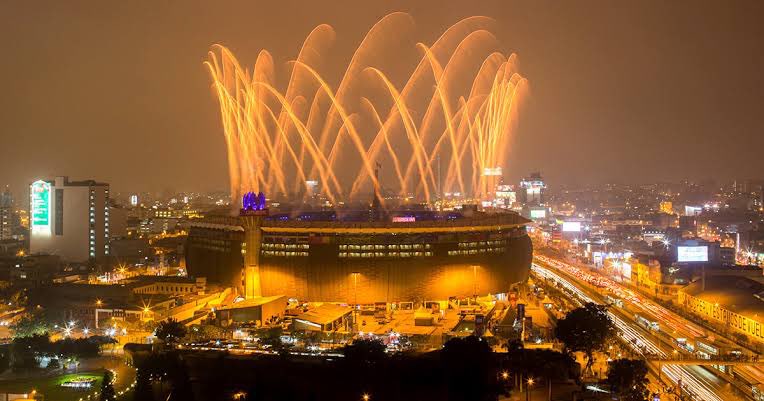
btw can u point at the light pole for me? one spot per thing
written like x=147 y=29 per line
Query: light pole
x=355 y=299
x=474 y=281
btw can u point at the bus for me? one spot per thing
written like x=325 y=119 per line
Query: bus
x=610 y=300
x=647 y=324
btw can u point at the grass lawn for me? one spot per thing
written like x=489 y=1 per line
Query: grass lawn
x=51 y=387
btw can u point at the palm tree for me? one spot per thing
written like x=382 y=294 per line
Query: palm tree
x=170 y=331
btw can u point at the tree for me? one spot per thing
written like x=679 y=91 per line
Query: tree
x=205 y=332
x=142 y=390
x=34 y=323
x=80 y=347
x=545 y=363
x=5 y=361
x=19 y=298
x=107 y=387
x=628 y=379
x=170 y=331
x=271 y=337
x=586 y=329
x=364 y=352
x=471 y=369
x=54 y=364
x=181 y=383
x=26 y=350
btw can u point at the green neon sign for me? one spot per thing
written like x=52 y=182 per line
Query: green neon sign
x=40 y=193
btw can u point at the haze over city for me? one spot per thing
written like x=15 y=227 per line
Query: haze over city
x=618 y=92
x=382 y=201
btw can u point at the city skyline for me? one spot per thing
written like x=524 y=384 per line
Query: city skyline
x=608 y=101
x=376 y=201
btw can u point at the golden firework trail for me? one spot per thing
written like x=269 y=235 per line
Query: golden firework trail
x=440 y=129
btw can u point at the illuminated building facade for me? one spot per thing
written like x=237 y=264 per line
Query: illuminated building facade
x=69 y=219
x=531 y=197
x=506 y=197
x=667 y=207
x=361 y=261
x=532 y=190
x=727 y=300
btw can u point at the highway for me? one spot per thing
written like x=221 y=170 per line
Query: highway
x=696 y=381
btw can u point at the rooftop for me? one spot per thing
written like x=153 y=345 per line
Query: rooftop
x=738 y=294
x=253 y=302
x=325 y=313
x=482 y=222
x=444 y=224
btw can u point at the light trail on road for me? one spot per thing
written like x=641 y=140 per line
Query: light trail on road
x=664 y=315
x=695 y=383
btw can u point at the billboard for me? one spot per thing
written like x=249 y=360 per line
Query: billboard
x=692 y=253
x=571 y=226
x=538 y=213
x=626 y=270
x=40 y=207
x=404 y=219
x=692 y=210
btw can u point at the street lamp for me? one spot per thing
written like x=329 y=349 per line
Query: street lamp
x=528 y=389
x=474 y=281
x=366 y=397
x=355 y=298
x=355 y=287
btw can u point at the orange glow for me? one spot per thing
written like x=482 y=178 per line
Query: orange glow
x=451 y=119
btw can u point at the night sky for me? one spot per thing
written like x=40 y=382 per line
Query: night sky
x=638 y=92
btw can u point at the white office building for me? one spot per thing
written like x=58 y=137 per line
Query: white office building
x=69 y=219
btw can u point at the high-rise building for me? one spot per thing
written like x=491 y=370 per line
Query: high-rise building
x=6 y=214
x=532 y=190
x=69 y=219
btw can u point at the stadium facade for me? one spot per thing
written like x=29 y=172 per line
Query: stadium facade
x=320 y=257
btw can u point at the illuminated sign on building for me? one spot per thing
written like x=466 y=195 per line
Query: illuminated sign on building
x=626 y=270
x=571 y=226
x=40 y=207
x=538 y=213
x=692 y=210
x=740 y=323
x=692 y=254
x=404 y=219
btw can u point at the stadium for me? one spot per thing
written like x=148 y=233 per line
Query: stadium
x=360 y=258
x=445 y=132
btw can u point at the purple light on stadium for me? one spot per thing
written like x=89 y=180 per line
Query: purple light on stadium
x=252 y=201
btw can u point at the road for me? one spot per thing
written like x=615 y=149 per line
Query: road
x=695 y=381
